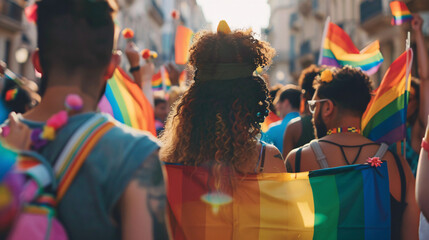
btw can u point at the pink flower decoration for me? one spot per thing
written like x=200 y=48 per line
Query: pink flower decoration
x=74 y=102
x=374 y=161
x=58 y=120
x=5 y=131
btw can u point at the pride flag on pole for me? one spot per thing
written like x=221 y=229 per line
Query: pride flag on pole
x=400 y=13
x=182 y=43
x=338 y=50
x=386 y=115
x=350 y=202
x=161 y=80
x=124 y=100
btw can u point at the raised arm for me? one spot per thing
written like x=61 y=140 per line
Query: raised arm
x=142 y=76
x=422 y=187
x=423 y=68
x=142 y=205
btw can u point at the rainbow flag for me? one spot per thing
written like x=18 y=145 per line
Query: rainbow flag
x=182 y=43
x=338 y=50
x=385 y=117
x=351 y=202
x=160 y=80
x=124 y=100
x=400 y=13
x=271 y=118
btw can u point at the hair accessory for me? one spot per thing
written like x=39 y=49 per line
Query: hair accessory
x=128 y=33
x=73 y=102
x=58 y=120
x=223 y=27
x=224 y=71
x=374 y=161
x=326 y=76
x=40 y=137
x=345 y=129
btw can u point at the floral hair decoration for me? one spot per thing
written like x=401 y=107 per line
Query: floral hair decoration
x=326 y=76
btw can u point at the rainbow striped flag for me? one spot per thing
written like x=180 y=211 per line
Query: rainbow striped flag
x=400 y=13
x=124 y=100
x=338 y=50
x=182 y=43
x=386 y=115
x=160 y=80
x=351 y=202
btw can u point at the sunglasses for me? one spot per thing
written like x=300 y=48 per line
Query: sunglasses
x=312 y=104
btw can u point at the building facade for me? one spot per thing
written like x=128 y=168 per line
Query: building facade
x=296 y=27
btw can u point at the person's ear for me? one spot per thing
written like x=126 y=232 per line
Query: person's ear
x=115 y=60
x=35 y=58
x=328 y=108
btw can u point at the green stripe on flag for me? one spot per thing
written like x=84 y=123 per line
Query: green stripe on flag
x=326 y=207
x=386 y=112
x=351 y=221
x=120 y=100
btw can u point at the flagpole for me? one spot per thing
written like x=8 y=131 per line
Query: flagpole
x=407 y=73
x=325 y=31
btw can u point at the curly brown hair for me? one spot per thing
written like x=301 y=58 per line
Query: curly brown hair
x=216 y=122
x=350 y=89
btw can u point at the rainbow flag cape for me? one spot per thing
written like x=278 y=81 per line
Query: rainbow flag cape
x=160 y=80
x=124 y=100
x=400 y=13
x=385 y=117
x=338 y=50
x=182 y=43
x=350 y=202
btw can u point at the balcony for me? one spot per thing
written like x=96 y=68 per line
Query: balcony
x=374 y=14
x=10 y=15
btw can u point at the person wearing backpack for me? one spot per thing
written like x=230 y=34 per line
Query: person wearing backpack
x=108 y=177
x=338 y=104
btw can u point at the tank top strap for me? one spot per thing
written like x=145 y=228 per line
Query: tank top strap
x=261 y=159
x=382 y=150
x=321 y=158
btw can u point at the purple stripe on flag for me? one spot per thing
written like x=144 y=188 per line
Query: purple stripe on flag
x=104 y=106
x=329 y=62
x=393 y=136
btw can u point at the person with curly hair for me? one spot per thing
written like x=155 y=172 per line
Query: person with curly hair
x=337 y=106
x=217 y=121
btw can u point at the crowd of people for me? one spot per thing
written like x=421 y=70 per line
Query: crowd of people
x=227 y=122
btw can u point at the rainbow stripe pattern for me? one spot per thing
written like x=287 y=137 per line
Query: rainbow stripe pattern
x=350 y=202
x=400 y=13
x=161 y=79
x=182 y=43
x=124 y=100
x=386 y=115
x=338 y=50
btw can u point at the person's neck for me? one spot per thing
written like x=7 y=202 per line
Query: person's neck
x=54 y=99
x=344 y=122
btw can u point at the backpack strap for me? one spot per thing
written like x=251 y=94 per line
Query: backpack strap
x=382 y=150
x=77 y=150
x=321 y=158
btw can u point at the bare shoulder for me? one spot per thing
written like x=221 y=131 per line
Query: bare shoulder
x=291 y=157
x=274 y=159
